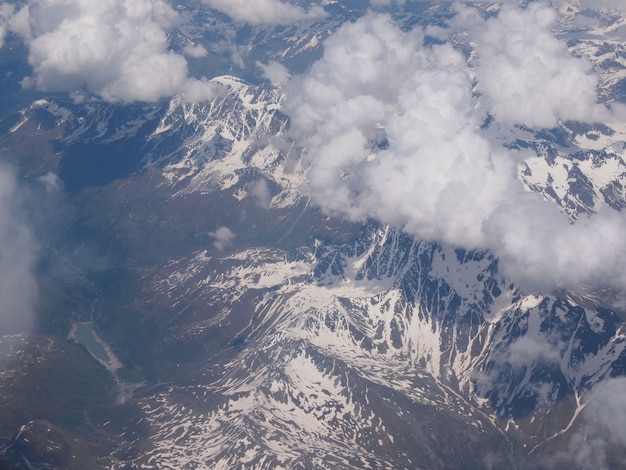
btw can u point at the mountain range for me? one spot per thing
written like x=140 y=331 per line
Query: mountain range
x=245 y=325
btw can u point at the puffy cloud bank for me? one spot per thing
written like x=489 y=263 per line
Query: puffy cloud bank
x=392 y=130
x=527 y=73
x=270 y=12
x=18 y=287
x=115 y=49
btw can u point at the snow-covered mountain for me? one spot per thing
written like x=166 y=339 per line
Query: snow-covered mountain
x=256 y=331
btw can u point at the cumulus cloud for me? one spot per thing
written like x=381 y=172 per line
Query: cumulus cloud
x=391 y=129
x=275 y=72
x=18 y=287
x=222 y=238
x=12 y=19
x=539 y=247
x=116 y=49
x=270 y=12
x=527 y=74
x=390 y=133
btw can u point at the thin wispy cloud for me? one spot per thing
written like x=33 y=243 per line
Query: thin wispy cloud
x=275 y=72
x=6 y=12
x=268 y=12
x=606 y=4
x=601 y=429
x=18 y=286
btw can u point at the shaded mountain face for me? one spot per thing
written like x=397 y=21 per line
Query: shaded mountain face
x=244 y=327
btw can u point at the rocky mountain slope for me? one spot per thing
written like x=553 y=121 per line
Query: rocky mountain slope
x=256 y=331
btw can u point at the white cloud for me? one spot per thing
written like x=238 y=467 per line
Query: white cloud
x=375 y=87
x=116 y=49
x=604 y=427
x=391 y=130
x=390 y=133
x=270 y=12
x=18 y=287
x=607 y=407
x=275 y=72
x=531 y=348
x=223 y=238
x=536 y=244
x=260 y=193
x=51 y=182
x=528 y=75
x=6 y=13
x=196 y=50
x=385 y=3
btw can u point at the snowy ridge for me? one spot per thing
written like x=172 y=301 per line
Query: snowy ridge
x=381 y=351
x=580 y=183
x=298 y=391
x=332 y=327
x=91 y=122
x=607 y=57
x=228 y=143
x=225 y=140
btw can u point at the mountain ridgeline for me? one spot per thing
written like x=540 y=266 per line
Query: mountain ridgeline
x=256 y=331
